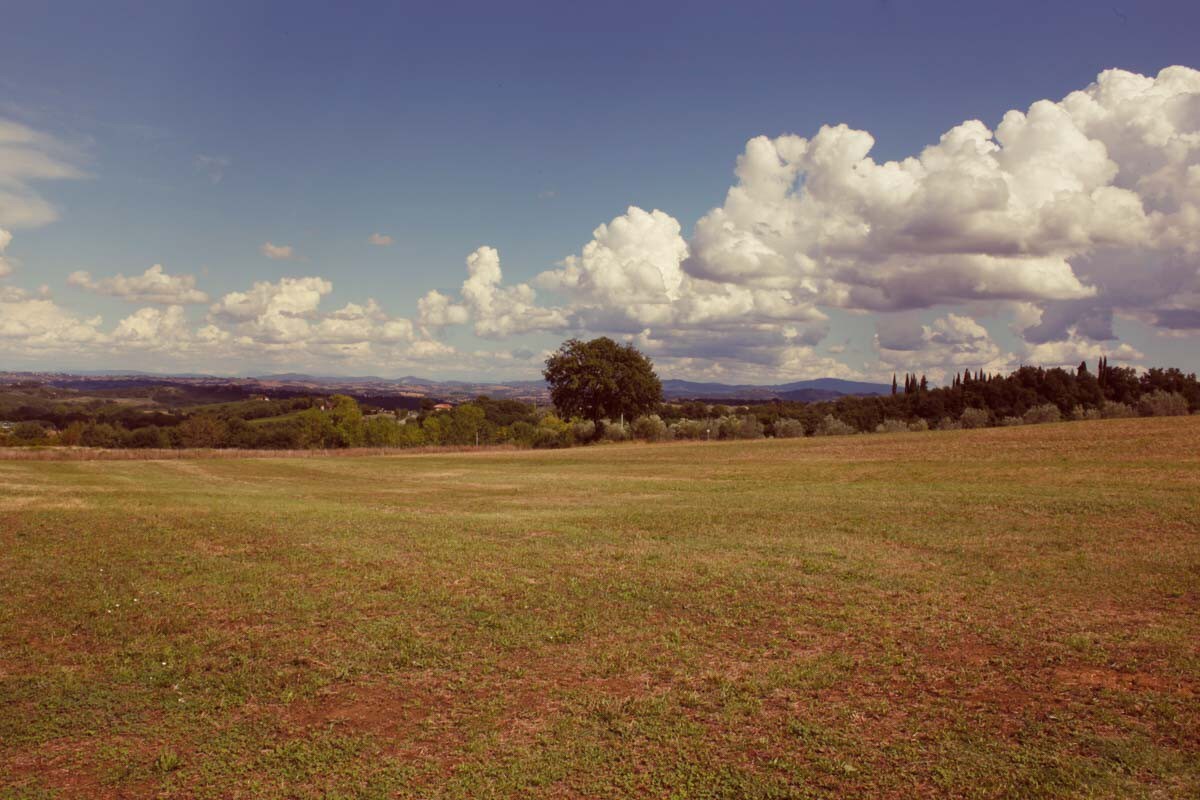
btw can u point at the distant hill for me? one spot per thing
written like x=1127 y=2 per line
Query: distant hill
x=412 y=388
x=806 y=391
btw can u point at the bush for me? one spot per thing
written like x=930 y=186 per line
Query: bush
x=785 y=428
x=553 y=432
x=584 y=430
x=149 y=437
x=918 y=425
x=832 y=426
x=948 y=424
x=892 y=426
x=1009 y=422
x=615 y=432
x=743 y=427
x=1163 y=404
x=975 y=418
x=203 y=430
x=381 y=431
x=690 y=429
x=1111 y=410
x=1046 y=412
x=100 y=435
x=1082 y=414
x=520 y=432
x=29 y=433
x=650 y=427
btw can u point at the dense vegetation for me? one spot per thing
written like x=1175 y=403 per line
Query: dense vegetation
x=972 y=400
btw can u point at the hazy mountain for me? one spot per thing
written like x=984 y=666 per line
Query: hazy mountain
x=807 y=391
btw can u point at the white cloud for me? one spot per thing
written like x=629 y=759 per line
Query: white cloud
x=277 y=252
x=1065 y=216
x=497 y=311
x=1015 y=214
x=28 y=156
x=154 y=329
x=152 y=286
x=212 y=167
x=31 y=324
x=947 y=345
x=1070 y=351
x=5 y=240
x=276 y=313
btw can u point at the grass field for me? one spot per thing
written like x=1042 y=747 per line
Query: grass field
x=993 y=613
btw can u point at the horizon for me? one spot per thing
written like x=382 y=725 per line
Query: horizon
x=856 y=192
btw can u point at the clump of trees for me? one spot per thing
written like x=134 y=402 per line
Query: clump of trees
x=601 y=380
x=587 y=380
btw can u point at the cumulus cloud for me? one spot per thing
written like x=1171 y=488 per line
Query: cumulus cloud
x=1075 y=348
x=1060 y=204
x=948 y=344
x=628 y=281
x=212 y=167
x=26 y=157
x=277 y=252
x=154 y=329
x=381 y=240
x=5 y=240
x=36 y=324
x=152 y=286
x=1064 y=216
x=497 y=311
x=275 y=313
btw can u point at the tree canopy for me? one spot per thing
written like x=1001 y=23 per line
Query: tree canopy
x=601 y=379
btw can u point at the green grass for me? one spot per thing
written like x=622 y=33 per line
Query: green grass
x=994 y=613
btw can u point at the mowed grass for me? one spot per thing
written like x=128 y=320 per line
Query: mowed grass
x=992 y=613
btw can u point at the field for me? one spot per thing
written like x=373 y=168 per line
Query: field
x=993 y=613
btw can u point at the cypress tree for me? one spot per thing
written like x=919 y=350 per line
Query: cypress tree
x=893 y=384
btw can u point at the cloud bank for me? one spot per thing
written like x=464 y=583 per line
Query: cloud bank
x=1058 y=221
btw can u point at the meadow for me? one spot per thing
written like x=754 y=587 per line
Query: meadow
x=1003 y=612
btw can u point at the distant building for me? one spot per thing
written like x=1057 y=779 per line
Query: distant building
x=443 y=407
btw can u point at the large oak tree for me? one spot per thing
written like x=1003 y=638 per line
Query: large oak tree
x=600 y=380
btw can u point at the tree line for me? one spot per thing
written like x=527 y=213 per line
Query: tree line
x=603 y=391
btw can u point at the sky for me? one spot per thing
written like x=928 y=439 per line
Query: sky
x=748 y=192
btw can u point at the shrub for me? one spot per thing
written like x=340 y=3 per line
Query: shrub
x=1111 y=410
x=690 y=429
x=72 y=435
x=29 y=432
x=918 y=425
x=100 y=435
x=832 y=426
x=1163 y=404
x=149 y=437
x=203 y=430
x=1082 y=414
x=584 y=430
x=650 y=427
x=975 y=418
x=553 y=432
x=520 y=432
x=892 y=426
x=1009 y=422
x=785 y=428
x=1046 y=412
x=746 y=426
x=948 y=424
x=615 y=432
x=381 y=431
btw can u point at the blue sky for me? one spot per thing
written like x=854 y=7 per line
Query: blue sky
x=199 y=133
